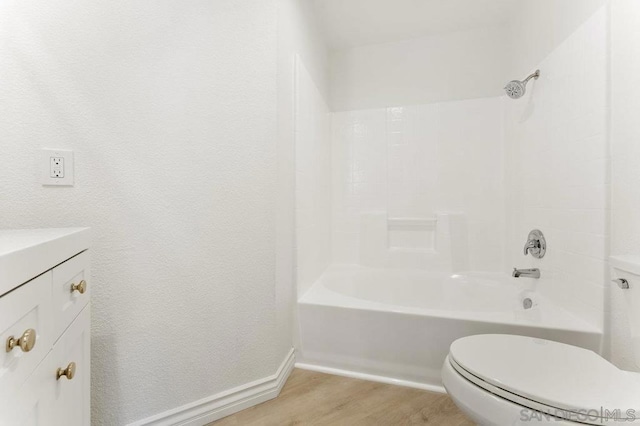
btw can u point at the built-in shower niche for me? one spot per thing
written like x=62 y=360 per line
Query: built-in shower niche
x=435 y=243
x=412 y=233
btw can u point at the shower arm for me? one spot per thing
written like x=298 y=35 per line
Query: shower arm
x=534 y=75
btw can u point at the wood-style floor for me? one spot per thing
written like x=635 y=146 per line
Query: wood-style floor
x=310 y=398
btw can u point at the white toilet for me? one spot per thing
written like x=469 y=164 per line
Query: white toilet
x=515 y=380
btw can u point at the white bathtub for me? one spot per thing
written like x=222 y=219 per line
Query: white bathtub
x=397 y=325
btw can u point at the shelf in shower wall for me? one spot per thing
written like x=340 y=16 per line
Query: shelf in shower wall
x=427 y=224
x=411 y=234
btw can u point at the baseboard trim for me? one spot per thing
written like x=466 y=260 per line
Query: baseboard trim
x=370 y=377
x=217 y=406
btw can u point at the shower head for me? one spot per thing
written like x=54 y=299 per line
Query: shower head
x=516 y=89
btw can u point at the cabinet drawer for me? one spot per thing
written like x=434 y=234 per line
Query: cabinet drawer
x=71 y=290
x=26 y=310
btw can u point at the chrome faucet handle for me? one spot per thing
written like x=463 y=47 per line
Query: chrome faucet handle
x=532 y=246
x=536 y=245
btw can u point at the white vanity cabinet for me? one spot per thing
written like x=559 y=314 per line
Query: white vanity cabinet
x=45 y=289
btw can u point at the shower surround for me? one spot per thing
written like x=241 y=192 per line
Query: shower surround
x=429 y=207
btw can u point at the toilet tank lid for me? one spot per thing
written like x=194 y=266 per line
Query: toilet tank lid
x=551 y=373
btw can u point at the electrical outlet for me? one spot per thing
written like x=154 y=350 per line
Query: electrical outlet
x=57 y=167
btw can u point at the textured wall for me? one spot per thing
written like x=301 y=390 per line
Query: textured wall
x=416 y=161
x=443 y=67
x=170 y=108
x=557 y=155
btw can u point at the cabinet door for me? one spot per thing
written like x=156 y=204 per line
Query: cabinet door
x=30 y=405
x=26 y=311
x=71 y=356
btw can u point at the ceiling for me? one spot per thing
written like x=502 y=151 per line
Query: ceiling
x=351 y=23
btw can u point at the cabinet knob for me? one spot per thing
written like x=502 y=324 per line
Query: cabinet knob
x=26 y=342
x=68 y=372
x=81 y=287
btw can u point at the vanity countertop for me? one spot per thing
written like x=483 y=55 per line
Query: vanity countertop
x=25 y=253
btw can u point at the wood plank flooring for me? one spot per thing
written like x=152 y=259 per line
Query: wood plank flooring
x=310 y=398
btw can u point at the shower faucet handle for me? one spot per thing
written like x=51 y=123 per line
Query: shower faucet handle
x=531 y=246
x=536 y=245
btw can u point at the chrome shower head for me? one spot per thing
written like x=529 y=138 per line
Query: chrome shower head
x=516 y=89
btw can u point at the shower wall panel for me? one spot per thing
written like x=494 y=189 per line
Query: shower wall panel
x=416 y=161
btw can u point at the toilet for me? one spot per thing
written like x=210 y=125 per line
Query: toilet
x=516 y=380
x=499 y=379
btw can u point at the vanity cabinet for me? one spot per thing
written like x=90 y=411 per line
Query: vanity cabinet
x=45 y=327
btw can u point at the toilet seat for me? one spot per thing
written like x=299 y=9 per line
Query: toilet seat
x=554 y=378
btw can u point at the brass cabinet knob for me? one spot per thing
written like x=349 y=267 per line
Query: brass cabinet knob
x=81 y=287
x=68 y=372
x=26 y=342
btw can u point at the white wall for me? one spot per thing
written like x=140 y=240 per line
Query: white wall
x=448 y=66
x=313 y=180
x=625 y=126
x=558 y=162
x=416 y=161
x=453 y=65
x=170 y=108
x=540 y=26
x=355 y=23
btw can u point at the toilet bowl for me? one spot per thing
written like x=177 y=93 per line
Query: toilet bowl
x=517 y=380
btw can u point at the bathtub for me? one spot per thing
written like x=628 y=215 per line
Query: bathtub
x=396 y=325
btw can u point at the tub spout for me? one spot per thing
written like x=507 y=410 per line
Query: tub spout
x=530 y=273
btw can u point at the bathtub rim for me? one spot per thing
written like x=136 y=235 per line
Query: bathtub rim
x=319 y=295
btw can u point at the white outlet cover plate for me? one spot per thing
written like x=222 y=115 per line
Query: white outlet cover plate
x=46 y=165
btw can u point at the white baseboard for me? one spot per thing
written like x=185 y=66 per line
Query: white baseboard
x=217 y=406
x=370 y=377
